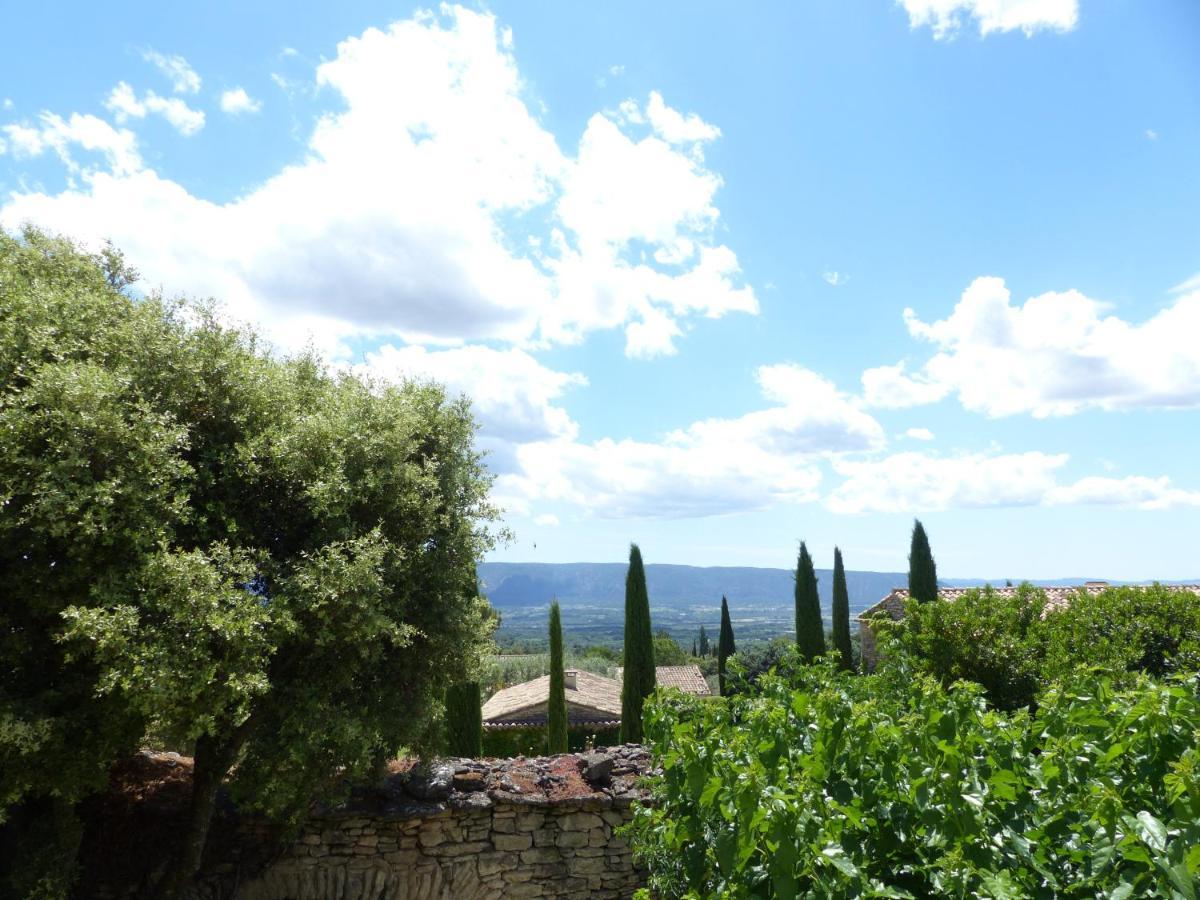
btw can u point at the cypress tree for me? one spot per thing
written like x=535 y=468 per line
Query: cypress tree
x=841 y=613
x=638 y=680
x=704 y=648
x=556 y=714
x=725 y=645
x=922 y=571
x=810 y=629
x=693 y=650
x=464 y=720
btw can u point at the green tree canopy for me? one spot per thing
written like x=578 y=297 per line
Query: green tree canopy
x=667 y=651
x=638 y=679
x=841 y=614
x=556 y=714
x=810 y=627
x=922 y=570
x=215 y=546
x=725 y=645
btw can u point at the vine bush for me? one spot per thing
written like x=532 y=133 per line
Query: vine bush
x=892 y=785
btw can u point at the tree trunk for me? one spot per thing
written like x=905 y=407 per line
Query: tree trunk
x=211 y=763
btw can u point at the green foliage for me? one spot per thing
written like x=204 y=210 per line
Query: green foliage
x=890 y=785
x=704 y=648
x=667 y=651
x=841 y=614
x=464 y=719
x=725 y=645
x=1014 y=647
x=556 y=712
x=810 y=629
x=1154 y=629
x=922 y=570
x=980 y=636
x=638 y=680
x=202 y=542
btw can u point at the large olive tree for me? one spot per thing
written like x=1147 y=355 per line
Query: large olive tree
x=216 y=547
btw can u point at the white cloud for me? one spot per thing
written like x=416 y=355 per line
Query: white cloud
x=117 y=146
x=124 y=104
x=1151 y=134
x=711 y=467
x=833 y=278
x=676 y=128
x=1055 y=355
x=1187 y=286
x=547 y=520
x=1135 y=491
x=890 y=387
x=919 y=434
x=182 y=76
x=512 y=394
x=410 y=216
x=7 y=104
x=919 y=482
x=236 y=101
x=946 y=17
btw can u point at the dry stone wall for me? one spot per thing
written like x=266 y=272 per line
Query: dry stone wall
x=467 y=830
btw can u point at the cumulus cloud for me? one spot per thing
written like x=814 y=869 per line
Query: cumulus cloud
x=117 y=146
x=547 y=520
x=1135 y=491
x=442 y=211
x=947 y=17
x=919 y=482
x=919 y=434
x=711 y=467
x=236 y=101
x=183 y=78
x=512 y=394
x=1057 y=354
x=833 y=279
x=890 y=387
x=124 y=104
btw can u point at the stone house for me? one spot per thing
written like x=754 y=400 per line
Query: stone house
x=893 y=607
x=593 y=701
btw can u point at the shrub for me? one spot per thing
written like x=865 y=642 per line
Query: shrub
x=981 y=636
x=1015 y=646
x=895 y=786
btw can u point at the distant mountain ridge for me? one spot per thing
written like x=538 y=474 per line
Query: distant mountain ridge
x=521 y=585
x=512 y=586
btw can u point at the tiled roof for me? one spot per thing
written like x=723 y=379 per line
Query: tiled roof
x=687 y=678
x=1057 y=595
x=594 y=698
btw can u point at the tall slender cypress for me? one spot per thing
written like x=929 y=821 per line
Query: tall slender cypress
x=841 y=613
x=464 y=720
x=725 y=645
x=810 y=628
x=704 y=648
x=639 y=678
x=922 y=570
x=556 y=713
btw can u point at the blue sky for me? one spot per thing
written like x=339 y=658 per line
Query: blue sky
x=719 y=278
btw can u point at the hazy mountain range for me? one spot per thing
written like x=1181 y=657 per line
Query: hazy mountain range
x=517 y=585
x=681 y=597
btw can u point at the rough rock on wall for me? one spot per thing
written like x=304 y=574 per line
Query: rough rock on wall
x=467 y=830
